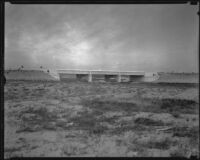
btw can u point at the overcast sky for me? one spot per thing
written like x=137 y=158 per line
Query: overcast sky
x=113 y=37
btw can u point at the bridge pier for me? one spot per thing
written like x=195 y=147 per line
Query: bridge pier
x=119 y=78
x=90 y=77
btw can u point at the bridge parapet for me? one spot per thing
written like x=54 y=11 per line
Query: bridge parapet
x=136 y=73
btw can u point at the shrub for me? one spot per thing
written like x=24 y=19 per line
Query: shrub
x=175 y=114
x=148 y=122
x=186 y=132
x=164 y=143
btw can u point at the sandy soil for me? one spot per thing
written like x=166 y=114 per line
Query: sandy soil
x=57 y=119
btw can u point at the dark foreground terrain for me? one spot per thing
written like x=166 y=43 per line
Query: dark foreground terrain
x=100 y=119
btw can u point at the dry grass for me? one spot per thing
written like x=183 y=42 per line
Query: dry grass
x=185 y=131
x=163 y=143
x=82 y=119
x=148 y=122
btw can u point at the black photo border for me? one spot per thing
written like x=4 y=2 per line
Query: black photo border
x=2 y=78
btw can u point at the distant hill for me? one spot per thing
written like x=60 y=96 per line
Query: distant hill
x=28 y=75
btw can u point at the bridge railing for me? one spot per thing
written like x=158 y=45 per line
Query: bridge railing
x=139 y=73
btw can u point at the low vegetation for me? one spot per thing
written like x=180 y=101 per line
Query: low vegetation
x=81 y=119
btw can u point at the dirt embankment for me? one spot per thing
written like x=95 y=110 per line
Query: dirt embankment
x=35 y=75
x=178 y=78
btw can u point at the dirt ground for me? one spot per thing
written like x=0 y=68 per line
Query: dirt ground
x=57 y=119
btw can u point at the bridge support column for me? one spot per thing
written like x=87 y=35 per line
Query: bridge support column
x=90 y=77
x=119 y=78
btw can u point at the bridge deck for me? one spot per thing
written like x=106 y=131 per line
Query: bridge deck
x=102 y=72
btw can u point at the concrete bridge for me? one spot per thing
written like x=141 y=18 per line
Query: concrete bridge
x=105 y=75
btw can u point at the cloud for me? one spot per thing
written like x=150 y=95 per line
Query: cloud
x=125 y=37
